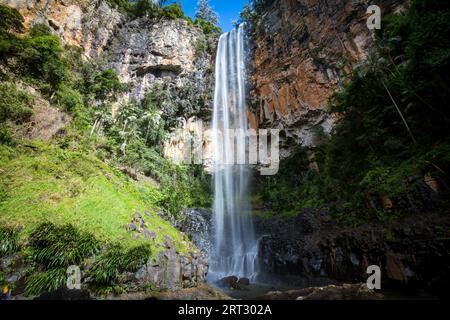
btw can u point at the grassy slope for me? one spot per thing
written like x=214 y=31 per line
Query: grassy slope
x=46 y=183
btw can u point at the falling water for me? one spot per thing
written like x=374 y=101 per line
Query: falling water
x=235 y=247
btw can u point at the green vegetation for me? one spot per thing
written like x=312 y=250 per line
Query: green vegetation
x=70 y=187
x=393 y=132
x=80 y=196
x=14 y=104
x=60 y=247
x=15 y=107
x=208 y=27
x=9 y=240
x=10 y=20
x=108 y=268
x=56 y=195
x=253 y=11
x=52 y=249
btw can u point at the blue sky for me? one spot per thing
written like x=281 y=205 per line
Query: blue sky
x=228 y=10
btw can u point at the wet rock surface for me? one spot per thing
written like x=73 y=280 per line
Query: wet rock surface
x=314 y=248
x=174 y=271
x=332 y=292
x=196 y=224
x=233 y=282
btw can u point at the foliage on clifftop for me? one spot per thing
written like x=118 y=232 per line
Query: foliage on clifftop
x=391 y=150
x=162 y=10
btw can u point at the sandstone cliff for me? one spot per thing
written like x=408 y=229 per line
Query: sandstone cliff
x=172 y=54
x=88 y=24
x=303 y=50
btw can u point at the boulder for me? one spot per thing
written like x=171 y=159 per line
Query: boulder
x=243 y=282
x=229 y=282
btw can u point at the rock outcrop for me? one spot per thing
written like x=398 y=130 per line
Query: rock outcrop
x=332 y=292
x=168 y=56
x=196 y=224
x=410 y=252
x=174 y=271
x=303 y=50
x=87 y=24
x=171 y=56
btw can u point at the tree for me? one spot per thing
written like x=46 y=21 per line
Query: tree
x=148 y=7
x=11 y=19
x=206 y=13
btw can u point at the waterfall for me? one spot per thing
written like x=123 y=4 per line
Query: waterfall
x=234 y=248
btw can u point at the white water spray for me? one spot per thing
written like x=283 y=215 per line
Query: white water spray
x=235 y=248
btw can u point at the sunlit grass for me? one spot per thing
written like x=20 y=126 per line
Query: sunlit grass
x=43 y=183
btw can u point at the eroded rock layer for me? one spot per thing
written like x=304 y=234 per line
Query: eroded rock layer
x=303 y=49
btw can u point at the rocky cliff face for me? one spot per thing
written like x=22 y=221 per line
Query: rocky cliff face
x=169 y=55
x=313 y=249
x=303 y=49
x=88 y=24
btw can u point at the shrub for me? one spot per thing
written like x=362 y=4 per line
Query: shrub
x=60 y=246
x=9 y=240
x=208 y=27
x=42 y=57
x=40 y=30
x=107 y=269
x=146 y=8
x=47 y=281
x=14 y=105
x=6 y=136
x=122 y=5
x=69 y=99
x=10 y=19
x=105 y=84
x=173 y=11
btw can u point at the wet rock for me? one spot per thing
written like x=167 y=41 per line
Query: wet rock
x=168 y=242
x=173 y=271
x=65 y=294
x=229 y=282
x=243 y=282
x=332 y=292
x=196 y=224
x=311 y=247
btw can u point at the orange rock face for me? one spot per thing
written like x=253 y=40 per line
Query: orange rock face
x=85 y=23
x=303 y=50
